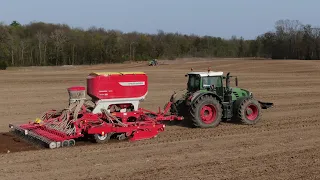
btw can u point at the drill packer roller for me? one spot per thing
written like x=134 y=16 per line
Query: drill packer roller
x=113 y=110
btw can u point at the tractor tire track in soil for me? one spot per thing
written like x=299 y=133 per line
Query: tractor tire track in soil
x=13 y=143
x=283 y=145
x=10 y=143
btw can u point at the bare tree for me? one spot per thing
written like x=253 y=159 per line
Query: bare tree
x=4 y=40
x=41 y=37
x=13 y=47
x=23 y=45
x=59 y=38
x=316 y=40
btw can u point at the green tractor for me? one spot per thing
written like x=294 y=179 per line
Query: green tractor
x=208 y=101
x=153 y=62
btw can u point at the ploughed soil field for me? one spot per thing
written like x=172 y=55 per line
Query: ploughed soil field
x=285 y=144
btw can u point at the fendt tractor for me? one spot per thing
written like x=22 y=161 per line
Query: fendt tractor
x=209 y=100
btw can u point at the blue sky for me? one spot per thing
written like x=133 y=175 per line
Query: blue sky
x=247 y=18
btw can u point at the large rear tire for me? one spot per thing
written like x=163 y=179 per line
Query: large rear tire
x=206 y=112
x=249 y=111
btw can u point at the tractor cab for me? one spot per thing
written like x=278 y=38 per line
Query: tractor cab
x=210 y=80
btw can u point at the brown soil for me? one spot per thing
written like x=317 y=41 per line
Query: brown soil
x=284 y=145
x=9 y=143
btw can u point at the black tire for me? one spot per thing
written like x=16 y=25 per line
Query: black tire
x=98 y=138
x=204 y=104
x=249 y=111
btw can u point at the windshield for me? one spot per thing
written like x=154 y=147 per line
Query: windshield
x=211 y=80
x=193 y=83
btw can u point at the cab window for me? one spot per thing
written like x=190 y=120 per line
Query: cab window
x=211 y=80
x=193 y=83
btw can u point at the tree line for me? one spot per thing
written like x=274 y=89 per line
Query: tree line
x=39 y=43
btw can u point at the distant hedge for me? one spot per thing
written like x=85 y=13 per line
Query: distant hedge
x=3 y=65
x=39 y=44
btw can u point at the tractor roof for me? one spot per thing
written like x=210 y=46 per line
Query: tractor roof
x=211 y=73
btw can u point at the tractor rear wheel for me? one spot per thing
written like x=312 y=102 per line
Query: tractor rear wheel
x=249 y=111
x=206 y=112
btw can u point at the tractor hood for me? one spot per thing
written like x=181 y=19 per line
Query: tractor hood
x=239 y=92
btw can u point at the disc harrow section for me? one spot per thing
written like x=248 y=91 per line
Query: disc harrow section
x=112 y=111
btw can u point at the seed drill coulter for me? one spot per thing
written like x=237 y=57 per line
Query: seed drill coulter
x=113 y=109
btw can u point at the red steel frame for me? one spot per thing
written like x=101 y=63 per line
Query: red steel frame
x=146 y=123
x=144 y=127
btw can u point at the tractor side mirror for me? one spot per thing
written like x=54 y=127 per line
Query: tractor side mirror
x=228 y=80
x=237 y=81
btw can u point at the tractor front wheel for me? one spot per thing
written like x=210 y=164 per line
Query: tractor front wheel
x=249 y=111
x=206 y=112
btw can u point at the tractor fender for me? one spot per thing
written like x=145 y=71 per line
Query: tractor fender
x=199 y=94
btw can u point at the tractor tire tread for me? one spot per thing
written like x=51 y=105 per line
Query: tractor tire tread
x=241 y=111
x=196 y=122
